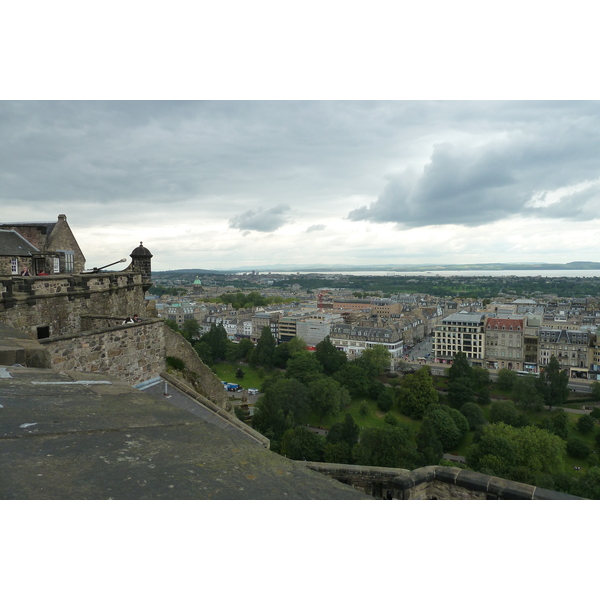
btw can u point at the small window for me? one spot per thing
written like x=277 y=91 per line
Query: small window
x=14 y=266
x=43 y=332
x=56 y=262
x=69 y=261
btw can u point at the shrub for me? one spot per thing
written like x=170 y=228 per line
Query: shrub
x=175 y=363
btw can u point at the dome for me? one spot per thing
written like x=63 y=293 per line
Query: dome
x=141 y=252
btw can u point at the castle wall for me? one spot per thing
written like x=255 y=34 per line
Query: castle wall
x=433 y=483
x=133 y=353
x=59 y=302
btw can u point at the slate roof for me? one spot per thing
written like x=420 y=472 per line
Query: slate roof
x=49 y=226
x=14 y=244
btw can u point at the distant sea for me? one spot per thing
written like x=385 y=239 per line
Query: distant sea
x=517 y=273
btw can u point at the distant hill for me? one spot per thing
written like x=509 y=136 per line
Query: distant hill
x=336 y=268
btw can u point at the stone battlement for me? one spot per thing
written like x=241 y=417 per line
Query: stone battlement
x=55 y=305
x=433 y=483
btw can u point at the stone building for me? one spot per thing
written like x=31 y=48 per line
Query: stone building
x=504 y=341
x=52 y=249
x=571 y=349
x=355 y=339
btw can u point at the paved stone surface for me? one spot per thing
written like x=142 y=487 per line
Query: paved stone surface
x=61 y=438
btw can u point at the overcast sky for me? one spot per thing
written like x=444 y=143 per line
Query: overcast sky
x=222 y=184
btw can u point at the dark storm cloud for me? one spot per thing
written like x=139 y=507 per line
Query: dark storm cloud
x=260 y=219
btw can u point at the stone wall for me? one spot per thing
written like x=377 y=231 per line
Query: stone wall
x=59 y=302
x=133 y=353
x=433 y=483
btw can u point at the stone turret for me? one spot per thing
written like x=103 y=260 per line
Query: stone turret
x=141 y=261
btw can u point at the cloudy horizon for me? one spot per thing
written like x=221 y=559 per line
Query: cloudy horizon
x=228 y=184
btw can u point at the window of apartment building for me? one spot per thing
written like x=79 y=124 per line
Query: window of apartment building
x=14 y=266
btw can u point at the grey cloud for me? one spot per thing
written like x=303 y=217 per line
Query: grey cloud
x=261 y=219
x=315 y=228
x=476 y=184
x=209 y=157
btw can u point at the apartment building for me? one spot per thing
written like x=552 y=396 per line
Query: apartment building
x=504 y=343
x=461 y=332
x=355 y=339
x=570 y=347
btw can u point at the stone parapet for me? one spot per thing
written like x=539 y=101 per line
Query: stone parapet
x=231 y=420
x=133 y=353
x=434 y=483
x=56 y=303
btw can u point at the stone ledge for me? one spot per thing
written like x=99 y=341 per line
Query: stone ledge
x=234 y=421
x=404 y=480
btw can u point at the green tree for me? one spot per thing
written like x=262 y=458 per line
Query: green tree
x=506 y=379
x=301 y=444
x=474 y=415
x=585 y=424
x=346 y=431
x=417 y=393
x=557 y=423
x=304 y=367
x=325 y=396
x=386 y=446
x=339 y=453
x=330 y=357
x=287 y=350
x=385 y=400
x=264 y=352
x=578 y=448
x=504 y=412
x=190 y=329
x=595 y=390
x=552 y=384
x=204 y=351
x=480 y=379
x=172 y=324
x=445 y=426
x=375 y=361
x=217 y=340
x=363 y=409
x=589 y=485
x=460 y=391
x=284 y=404
x=243 y=348
x=428 y=444
x=354 y=378
x=502 y=448
x=460 y=367
x=527 y=395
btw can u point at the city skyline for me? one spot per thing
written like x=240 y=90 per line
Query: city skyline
x=235 y=184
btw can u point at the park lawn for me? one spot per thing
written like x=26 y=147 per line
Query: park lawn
x=226 y=372
x=374 y=418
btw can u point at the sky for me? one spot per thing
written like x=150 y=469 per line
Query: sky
x=244 y=135
x=228 y=184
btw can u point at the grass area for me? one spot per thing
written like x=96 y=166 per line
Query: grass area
x=374 y=418
x=253 y=378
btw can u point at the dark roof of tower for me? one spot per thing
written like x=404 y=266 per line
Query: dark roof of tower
x=141 y=252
